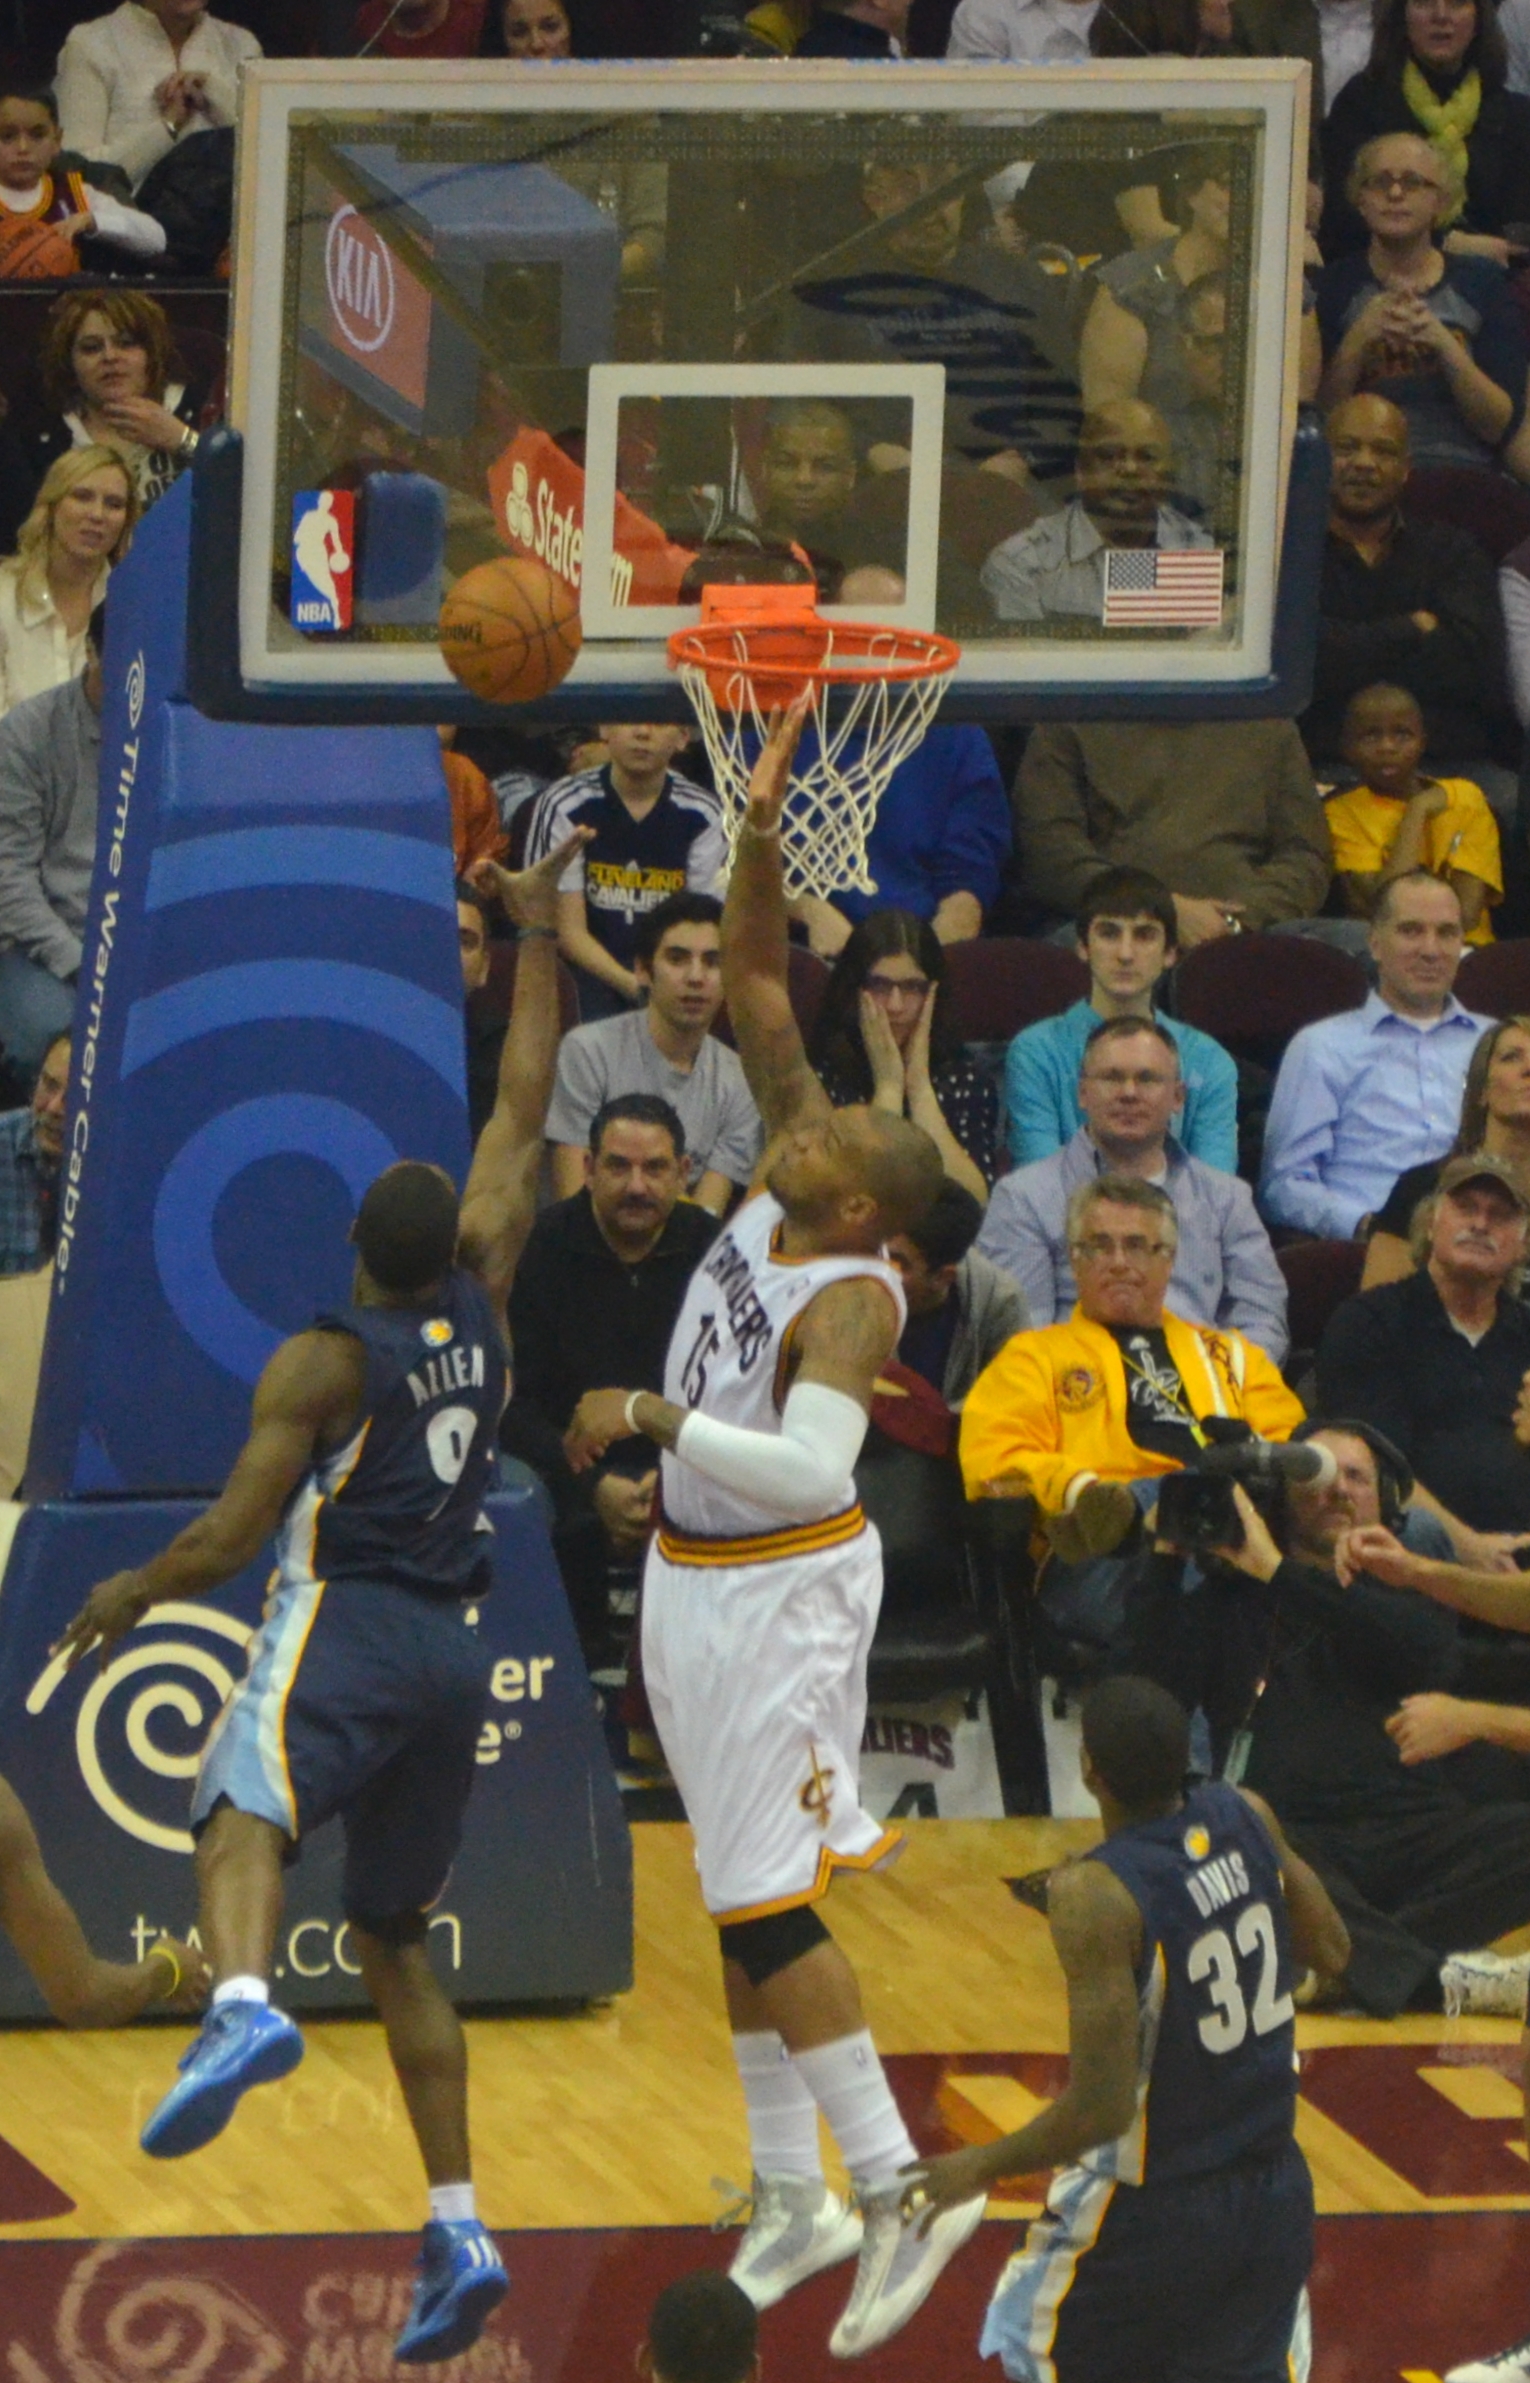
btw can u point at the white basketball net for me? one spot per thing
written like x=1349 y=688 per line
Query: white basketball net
x=862 y=727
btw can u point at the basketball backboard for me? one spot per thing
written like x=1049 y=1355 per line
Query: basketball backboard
x=660 y=323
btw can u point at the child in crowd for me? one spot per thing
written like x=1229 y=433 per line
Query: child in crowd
x=65 y=204
x=1398 y=819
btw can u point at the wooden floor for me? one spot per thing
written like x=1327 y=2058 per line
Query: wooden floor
x=622 y=2116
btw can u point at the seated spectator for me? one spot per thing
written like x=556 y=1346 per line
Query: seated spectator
x=962 y=1308
x=31 y=1145
x=635 y=189
x=855 y=29
x=1425 y=1867
x=1435 y=332
x=130 y=84
x=885 y=1035
x=1130 y=1093
x=596 y=1298
x=419 y=28
x=937 y=846
x=1224 y=812
x=1438 y=1361
x=536 y=29
x=50 y=762
x=1245 y=29
x=656 y=834
x=703 y=2330
x=483 y=1019
x=1023 y=32
x=1399 y=822
x=1495 y=1119
x=1130 y=345
x=1206 y=462
x=477 y=831
x=1362 y=1096
x=1514 y=595
x=106 y=365
x=81 y=524
x=1128 y=935
x=1086 y=1416
x=1410 y=602
x=1056 y=568
x=32 y=193
x=666 y=1049
x=1441 y=73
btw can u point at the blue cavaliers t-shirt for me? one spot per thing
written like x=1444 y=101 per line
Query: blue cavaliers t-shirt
x=633 y=864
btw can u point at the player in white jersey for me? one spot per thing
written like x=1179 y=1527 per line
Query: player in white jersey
x=759 y=1603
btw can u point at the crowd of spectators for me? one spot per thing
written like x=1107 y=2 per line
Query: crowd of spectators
x=1129 y=1193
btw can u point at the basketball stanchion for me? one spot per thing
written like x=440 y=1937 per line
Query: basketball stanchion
x=873 y=692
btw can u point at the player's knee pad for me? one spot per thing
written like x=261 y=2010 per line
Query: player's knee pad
x=763 y=1947
x=392 y=1928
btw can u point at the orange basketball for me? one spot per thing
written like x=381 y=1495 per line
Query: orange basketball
x=35 y=252
x=509 y=630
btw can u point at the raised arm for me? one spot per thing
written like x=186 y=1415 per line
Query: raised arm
x=499 y=1201
x=754 y=946
x=306 y=1402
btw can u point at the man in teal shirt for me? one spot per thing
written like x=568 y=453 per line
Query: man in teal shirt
x=1126 y=933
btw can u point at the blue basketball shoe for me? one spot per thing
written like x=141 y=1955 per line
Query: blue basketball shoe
x=462 y=2278
x=239 y=2044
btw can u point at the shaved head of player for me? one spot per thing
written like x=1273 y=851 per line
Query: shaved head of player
x=760 y=1597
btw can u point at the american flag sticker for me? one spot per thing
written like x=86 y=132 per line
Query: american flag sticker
x=1163 y=587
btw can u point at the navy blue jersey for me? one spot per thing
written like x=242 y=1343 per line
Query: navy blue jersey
x=402 y=1502
x=633 y=864
x=1216 y=2078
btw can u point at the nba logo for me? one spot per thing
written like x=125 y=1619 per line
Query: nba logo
x=323 y=559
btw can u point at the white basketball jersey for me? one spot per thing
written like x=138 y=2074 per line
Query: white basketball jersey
x=727 y=1356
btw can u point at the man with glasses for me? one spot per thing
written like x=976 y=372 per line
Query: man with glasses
x=1086 y=1416
x=1125 y=472
x=1131 y=1094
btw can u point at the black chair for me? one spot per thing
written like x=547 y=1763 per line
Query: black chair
x=951 y=1620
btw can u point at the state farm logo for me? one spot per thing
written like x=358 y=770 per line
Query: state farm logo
x=536 y=521
x=358 y=273
x=518 y=507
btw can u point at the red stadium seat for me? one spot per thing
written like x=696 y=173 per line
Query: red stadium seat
x=1001 y=983
x=500 y=988
x=1320 y=1276
x=1493 y=510
x=807 y=980
x=1253 y=991
x=1495 y=979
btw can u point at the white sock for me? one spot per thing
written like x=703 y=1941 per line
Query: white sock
x=783 y=2116
x=241 y=1990
x=847 y=2081
x=452 y=2204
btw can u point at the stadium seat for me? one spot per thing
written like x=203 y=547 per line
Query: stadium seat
x=1001 y=983
x=807 y=982
x=1493 y=510
x=1254 y=991
x=1320 y=1276
x=501 y=985
x=1495 y=978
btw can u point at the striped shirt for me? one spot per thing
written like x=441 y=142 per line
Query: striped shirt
x=633 y=864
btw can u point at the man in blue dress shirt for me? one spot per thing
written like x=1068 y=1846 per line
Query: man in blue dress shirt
x=1364 y=1095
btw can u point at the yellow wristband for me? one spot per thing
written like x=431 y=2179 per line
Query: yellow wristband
x=166 y=1952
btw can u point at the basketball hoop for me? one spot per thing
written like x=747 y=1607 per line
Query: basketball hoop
x=874 y=692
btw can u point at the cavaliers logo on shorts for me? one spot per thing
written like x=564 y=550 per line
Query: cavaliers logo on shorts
x=1078 y=1388
x=817 y=1794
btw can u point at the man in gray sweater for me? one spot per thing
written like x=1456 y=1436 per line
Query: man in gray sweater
x=50 y=760
x=962 y=1308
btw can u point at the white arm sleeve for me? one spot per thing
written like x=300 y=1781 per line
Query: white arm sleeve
x=800 y=1475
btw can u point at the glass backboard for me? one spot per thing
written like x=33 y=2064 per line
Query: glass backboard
x=1005 y=352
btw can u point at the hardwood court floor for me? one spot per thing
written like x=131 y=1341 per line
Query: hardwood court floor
x=598 y=2135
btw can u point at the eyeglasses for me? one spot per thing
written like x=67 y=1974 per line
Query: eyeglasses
x=1098 y=1246
x=1122 y=1079
x=897 y=988
x=1407 y=183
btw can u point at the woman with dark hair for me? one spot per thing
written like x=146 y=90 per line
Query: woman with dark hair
x=109 y=379
x=1495 y=1120
x=1439 y=68
x=885 y=1034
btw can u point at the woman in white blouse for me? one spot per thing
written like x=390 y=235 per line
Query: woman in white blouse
x=130 y=84
x=81 y=524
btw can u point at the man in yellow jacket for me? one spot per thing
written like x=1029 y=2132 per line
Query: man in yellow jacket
x=1085 y=1416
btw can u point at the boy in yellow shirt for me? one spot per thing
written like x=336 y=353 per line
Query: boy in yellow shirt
x=1396 y=819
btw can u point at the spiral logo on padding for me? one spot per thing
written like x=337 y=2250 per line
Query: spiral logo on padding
x=121 y=2318
x=137 y=683
x=120 y=1729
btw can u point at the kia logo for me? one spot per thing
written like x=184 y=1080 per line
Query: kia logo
x=358 y=273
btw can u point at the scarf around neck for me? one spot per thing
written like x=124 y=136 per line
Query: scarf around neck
x=1448 y=124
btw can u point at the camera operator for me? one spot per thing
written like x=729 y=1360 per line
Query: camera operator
x=1423 y=1871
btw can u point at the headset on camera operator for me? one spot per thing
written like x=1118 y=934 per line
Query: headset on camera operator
x=1300 y=1672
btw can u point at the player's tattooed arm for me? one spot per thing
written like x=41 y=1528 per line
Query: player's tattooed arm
x=500 y=1197
x=845 y=1337
x=1097 y=1930
x=306 y=1404
x=754 y=948
x=1319 y=1937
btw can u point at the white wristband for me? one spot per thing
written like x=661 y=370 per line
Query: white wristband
x=629 y=1413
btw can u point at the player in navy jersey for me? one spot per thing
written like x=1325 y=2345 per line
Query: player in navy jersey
x=1178 y=2230
x=372 y=1444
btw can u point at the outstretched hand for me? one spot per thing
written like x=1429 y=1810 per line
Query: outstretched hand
x=771 y=774
x=108 y=1613
x=530 y=896
x=945 y=2182
x=191 y=1979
